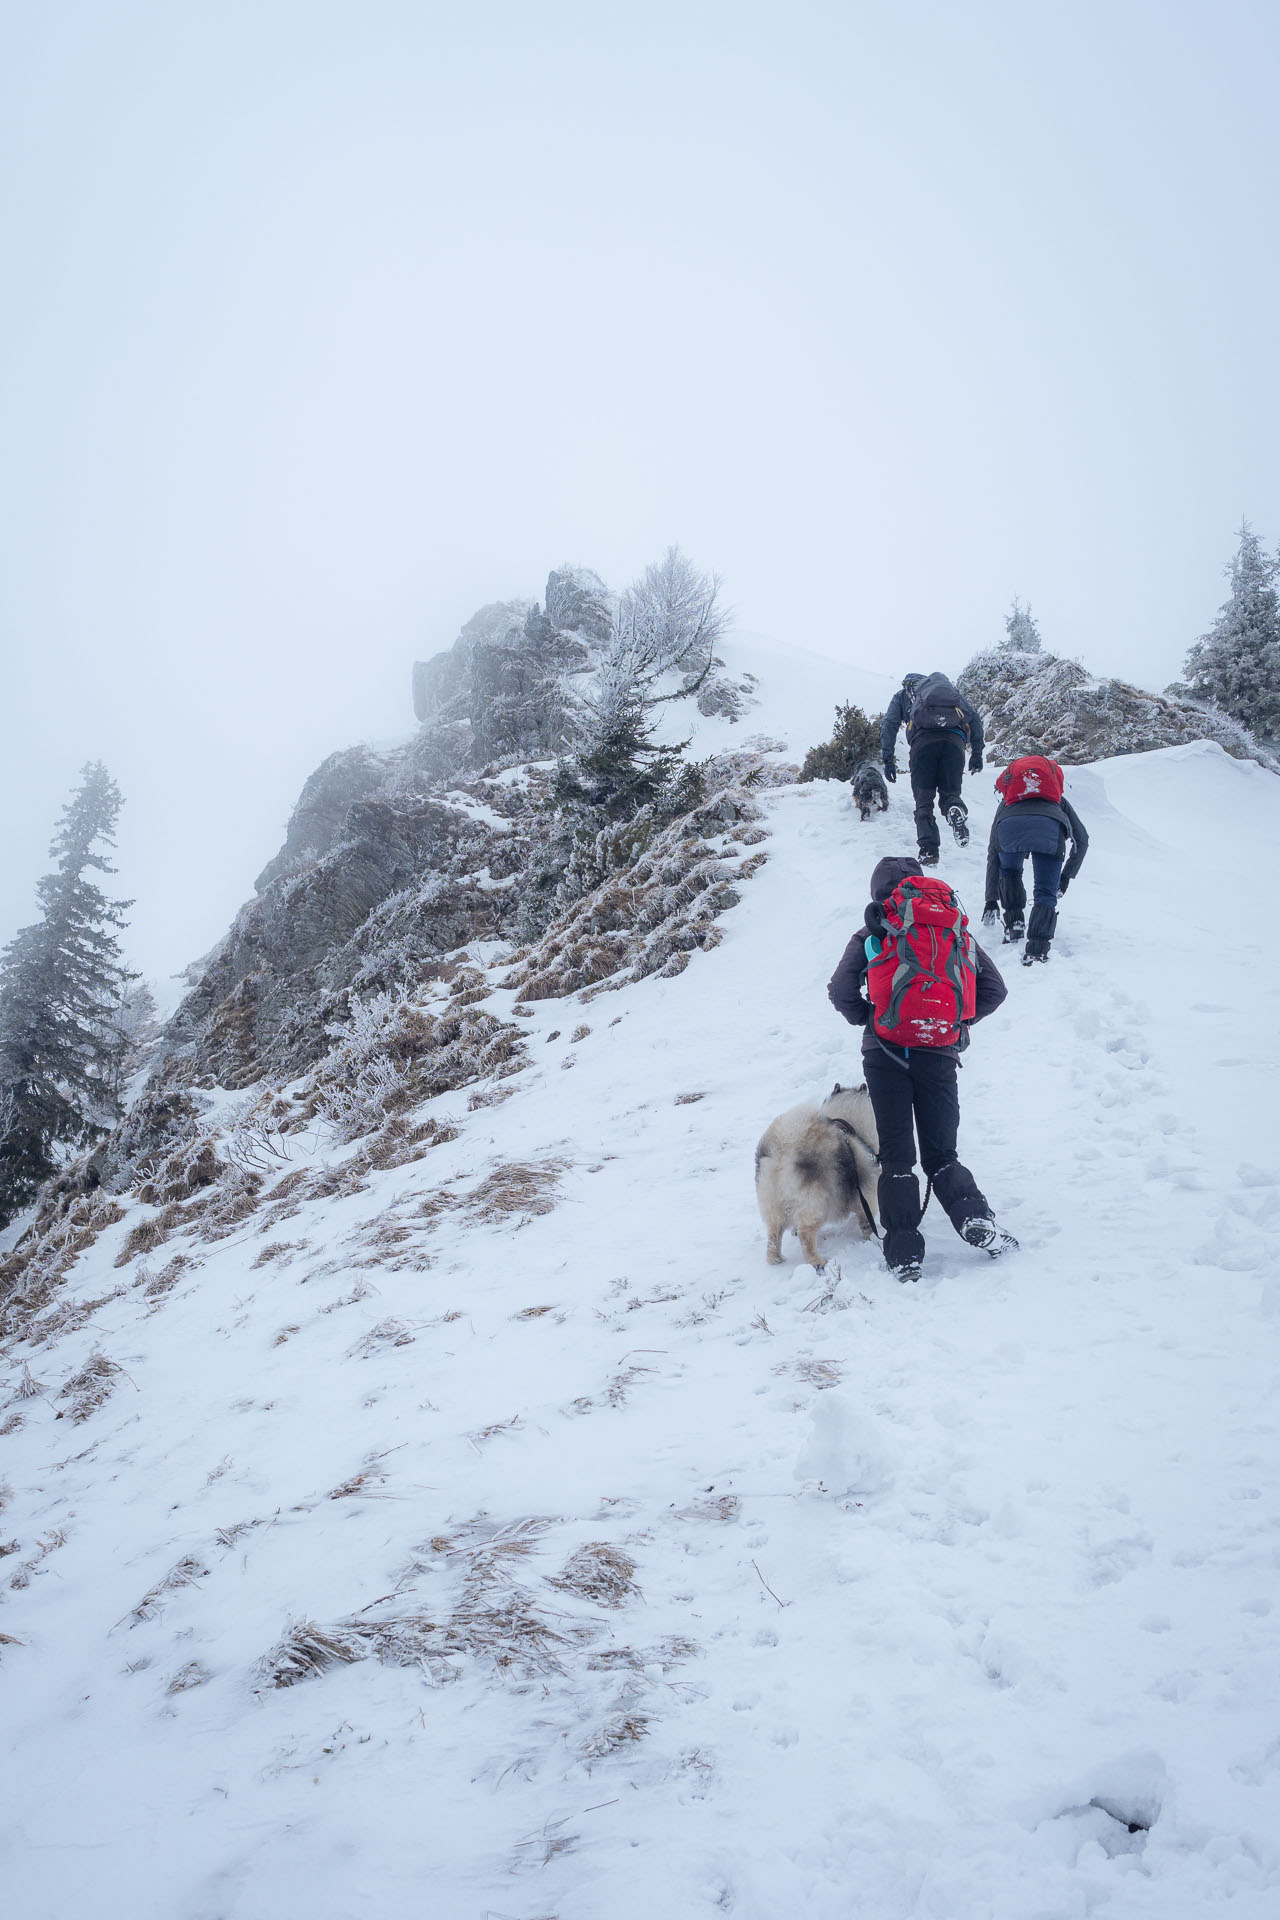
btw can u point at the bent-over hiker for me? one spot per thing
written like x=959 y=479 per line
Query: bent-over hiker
x=940 y=724
x=915 y=981
x=1035 y=818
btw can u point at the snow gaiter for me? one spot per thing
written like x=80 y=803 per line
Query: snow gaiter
x=898 y=1199
x=958 y=1191
x=1012 y=895
x=1041 y=928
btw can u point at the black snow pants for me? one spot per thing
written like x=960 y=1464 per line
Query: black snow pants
x=921 y=1084
x=937 y=767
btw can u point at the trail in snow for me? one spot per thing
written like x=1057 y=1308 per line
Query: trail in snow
x=953 y=1601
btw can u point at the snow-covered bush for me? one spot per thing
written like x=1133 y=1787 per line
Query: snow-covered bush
x=670 y=617
x=855 y=738
x=393 y=1054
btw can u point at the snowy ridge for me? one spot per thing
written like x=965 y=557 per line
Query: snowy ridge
x=646 y=1578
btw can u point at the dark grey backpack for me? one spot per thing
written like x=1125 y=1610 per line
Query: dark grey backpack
x=936 y=708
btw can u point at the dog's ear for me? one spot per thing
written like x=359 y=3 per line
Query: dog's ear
x=835 y=1090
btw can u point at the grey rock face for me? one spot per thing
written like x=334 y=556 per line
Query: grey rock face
x=441 y=684
x=518 y=699
x=281 y=974
x=579 y=602
x=319 y=818
x=1036 y=702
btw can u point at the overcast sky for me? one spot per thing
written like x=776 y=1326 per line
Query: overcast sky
x=326 y=323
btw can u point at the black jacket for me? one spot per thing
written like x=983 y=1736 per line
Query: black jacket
x=845 y=987
x=898 y=712
x=1073 y=831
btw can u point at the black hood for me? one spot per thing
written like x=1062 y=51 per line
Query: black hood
x=883 y=881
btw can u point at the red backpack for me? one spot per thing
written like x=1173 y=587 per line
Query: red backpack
x=923 y=982
x=1033 y=776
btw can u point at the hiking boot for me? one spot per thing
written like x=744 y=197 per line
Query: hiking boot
x=958 y=821
x=906 y=1270
x=983 y=1233
x=1030 y=958
x=1013 y=930
x=928 y=856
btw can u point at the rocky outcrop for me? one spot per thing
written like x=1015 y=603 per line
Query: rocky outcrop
x=281 y=976
x=398 y=861
x=578 y=601
x=319 y=820
x=441 y=684
x=1037 y=702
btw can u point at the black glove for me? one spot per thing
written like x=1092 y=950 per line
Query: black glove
x=991 y=914
x=890 y=770
x=1063 y=884
x=975 y=762
x=858 y=1014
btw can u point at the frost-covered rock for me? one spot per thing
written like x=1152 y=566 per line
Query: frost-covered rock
x=280 y=976
x=441 y=684
x=1037 y=702
x=319 y=820
x=579 y=602
x=721 y=694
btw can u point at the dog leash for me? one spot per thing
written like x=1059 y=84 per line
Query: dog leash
x=862 y=1198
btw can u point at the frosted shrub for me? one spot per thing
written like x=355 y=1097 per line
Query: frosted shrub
x=394 y=1054
x=358 y=1106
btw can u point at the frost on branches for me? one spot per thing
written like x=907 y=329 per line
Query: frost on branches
x=62 y=986
x=1236 y=665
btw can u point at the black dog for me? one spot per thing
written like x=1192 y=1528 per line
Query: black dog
x=869 y=790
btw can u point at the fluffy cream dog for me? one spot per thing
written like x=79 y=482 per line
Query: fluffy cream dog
x=815 y=1165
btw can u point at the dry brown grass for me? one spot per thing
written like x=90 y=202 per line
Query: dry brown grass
x=144 y=1238
x=387 y=1333
x=29 y=1388
x=90 y=1387
x=598 y=1572
x=517 y=1187
x=192 y=1675
x=651 y=916
x=67 y=1224
x=278 y=1250
x=410 y=1055
x=184 y=1574
x=156 y=1286
x=618 y=1731
x=488 y=1097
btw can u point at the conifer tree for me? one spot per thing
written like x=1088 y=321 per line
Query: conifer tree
x=1236 y=665
x=1022 y=635
x=62 y=984
x=855 y=738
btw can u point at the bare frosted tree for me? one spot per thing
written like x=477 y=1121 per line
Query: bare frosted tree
x=669 y=619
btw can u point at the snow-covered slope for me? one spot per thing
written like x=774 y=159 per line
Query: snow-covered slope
x=719 y=1591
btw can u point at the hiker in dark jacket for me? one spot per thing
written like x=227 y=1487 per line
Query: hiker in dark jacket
x=941 y=724
x=1035 y=818
x=917 y=1084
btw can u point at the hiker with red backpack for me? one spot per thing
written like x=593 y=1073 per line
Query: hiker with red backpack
x=1035 y=817
x=940 y=725
x=915 y=980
